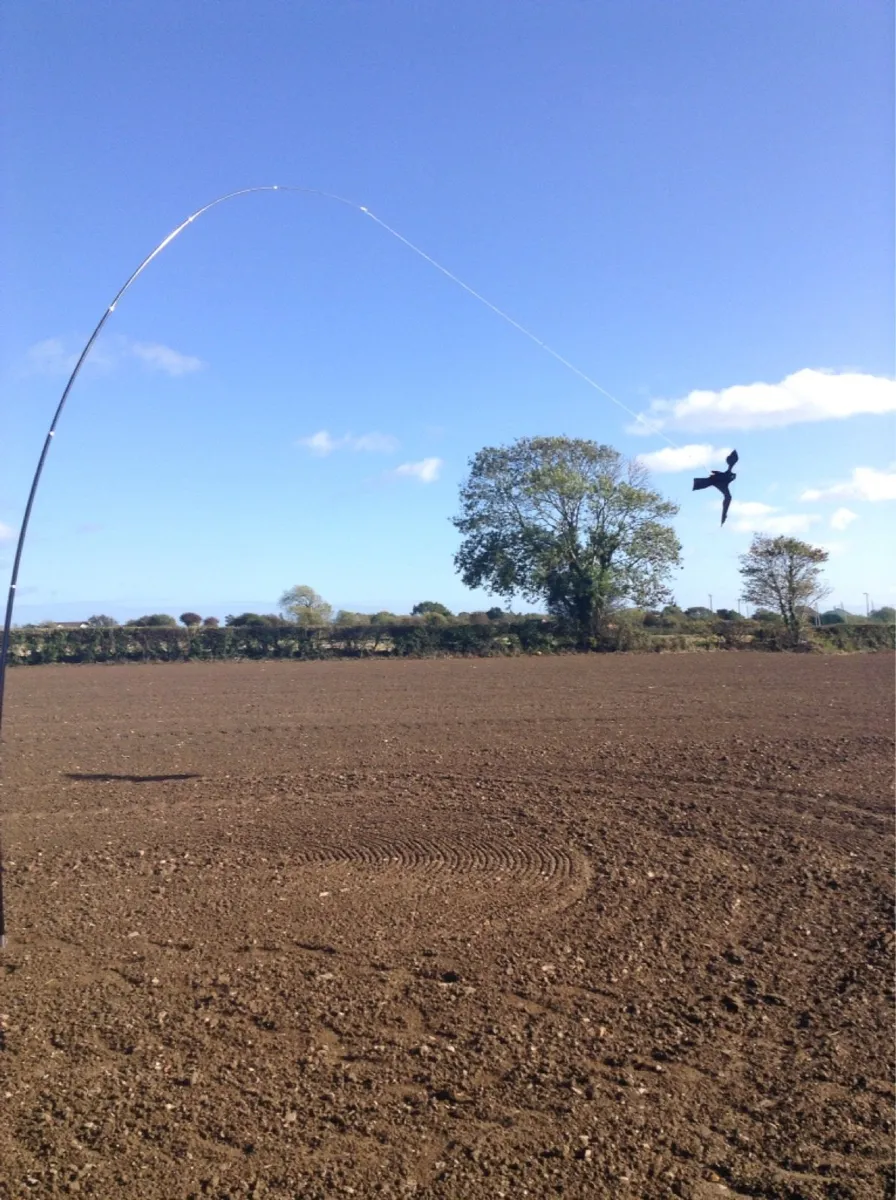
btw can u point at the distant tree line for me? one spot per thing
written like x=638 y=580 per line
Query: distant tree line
x=571 y=525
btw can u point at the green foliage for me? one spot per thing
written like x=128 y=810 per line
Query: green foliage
x=211 y=623
x=418 y=638
x=435 y=618
x=101 y=621
x=766 y=615
x=352 y=619
x=156 y=619
x=728 y=614
x=784 y=574
x=383 y=618
x=246 y=618
x=886 y=614
x=699 y=613
x=190 y=618
x=496 y=614
x=834 y=617
x=431 y=606
x=566 y=521
x=305 y=607
x=867 y=636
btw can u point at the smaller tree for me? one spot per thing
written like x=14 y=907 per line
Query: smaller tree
x=834 y=617
x=728 y=614
x=101 y=621
x=190 y=619
x=886 y=615
x=766 y=615
x=784 y=574
x=211 y=623
x=495 y=614
x=699 y=612
x=157 y=619
x=246 y=618
x=384 y=618
x=431 y=606
x=305 y=607
x=351 y=619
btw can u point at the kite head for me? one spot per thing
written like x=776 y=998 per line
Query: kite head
x=733 y=476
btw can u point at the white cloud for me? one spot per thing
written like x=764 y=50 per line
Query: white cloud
x=751 y=508
x=842 y=518
x=49 y=357
x=427 y=470
x=752 y=516
x=323 y=443
x=162 y=358
x=866 y=484
x=683 y=458
x=7 y=533
x=319 y=443
x=53 y=356
x=375 y=443
x=807 y=395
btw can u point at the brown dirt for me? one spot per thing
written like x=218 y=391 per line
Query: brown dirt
x=591 y=927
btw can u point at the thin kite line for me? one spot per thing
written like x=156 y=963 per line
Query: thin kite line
x=516 y=325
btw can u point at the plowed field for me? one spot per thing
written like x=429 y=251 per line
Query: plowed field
x=609 y=926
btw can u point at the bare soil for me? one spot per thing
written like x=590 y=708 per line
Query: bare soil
x=610 y=926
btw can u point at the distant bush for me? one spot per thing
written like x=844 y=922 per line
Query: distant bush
x=155 y=619
x=211 y=622
x=190 y=618
x=834 y=617
x=767 y=615
x=425 y=607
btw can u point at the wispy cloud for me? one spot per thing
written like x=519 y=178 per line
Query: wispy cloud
x=683 y=458
x=807 y=395
x=7 y=533
x=162 y=358
x=425 y=471
x=842 y=518
x=752 y=516
x=56 y=356
x=867 y=483
x=323 y=443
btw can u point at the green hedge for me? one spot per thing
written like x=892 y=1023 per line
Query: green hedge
x=129 y=643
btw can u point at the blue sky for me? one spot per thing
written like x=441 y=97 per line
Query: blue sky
x=687 y=201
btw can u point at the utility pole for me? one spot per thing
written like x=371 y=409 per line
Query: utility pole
x=867 y=604
x=710 y=602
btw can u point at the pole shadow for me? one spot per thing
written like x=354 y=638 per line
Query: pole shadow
x=102 y=777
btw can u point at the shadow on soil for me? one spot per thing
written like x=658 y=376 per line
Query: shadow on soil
x=103 y=778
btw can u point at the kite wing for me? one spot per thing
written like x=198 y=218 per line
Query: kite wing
x=726 y=504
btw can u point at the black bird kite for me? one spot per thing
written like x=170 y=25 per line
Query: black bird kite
x=720 y=480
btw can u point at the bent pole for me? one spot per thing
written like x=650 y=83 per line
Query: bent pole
x=51 y=433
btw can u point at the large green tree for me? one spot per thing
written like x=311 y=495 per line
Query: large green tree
x=569 y=522
x=784 y=574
